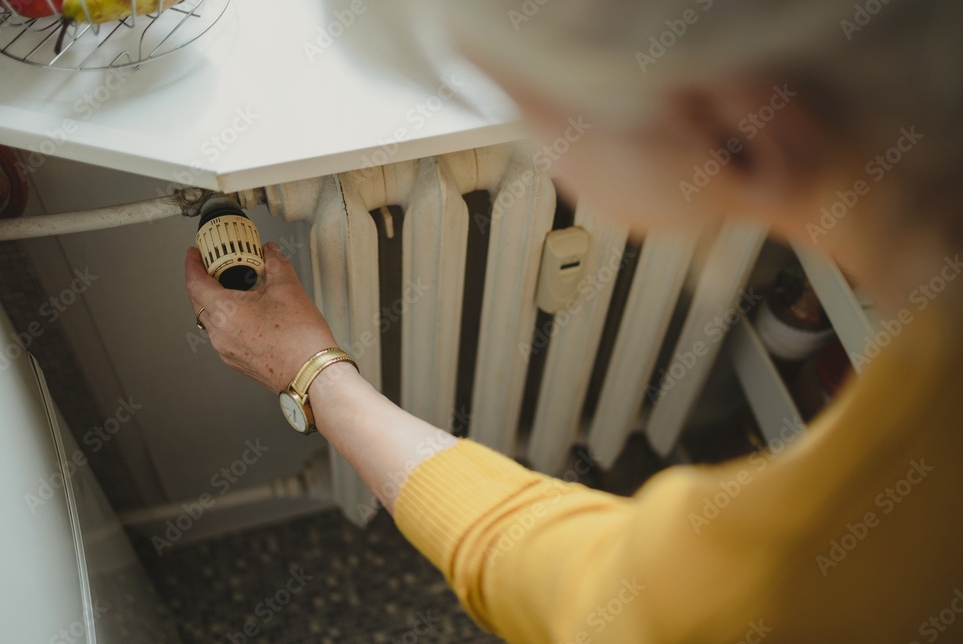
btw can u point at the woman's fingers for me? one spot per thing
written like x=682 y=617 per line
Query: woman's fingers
x=267 y=333
x=202 y=289
x=278 y=267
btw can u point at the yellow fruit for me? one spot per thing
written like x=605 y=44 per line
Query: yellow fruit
x=107 y=10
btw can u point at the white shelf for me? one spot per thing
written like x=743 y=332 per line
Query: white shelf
x=280 y=116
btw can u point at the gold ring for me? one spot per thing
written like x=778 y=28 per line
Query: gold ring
x=197 y=318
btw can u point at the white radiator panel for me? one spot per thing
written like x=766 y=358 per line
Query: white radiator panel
x=344 y=251
x=573 y=347
x=656 y=286
x=435 y=241
x=726 y=271
x=344 y=248
x=522 y=213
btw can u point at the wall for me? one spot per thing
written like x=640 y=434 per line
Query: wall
x=133 y=332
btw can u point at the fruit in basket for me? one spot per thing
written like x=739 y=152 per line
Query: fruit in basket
x=34 y=8
x=98 y=11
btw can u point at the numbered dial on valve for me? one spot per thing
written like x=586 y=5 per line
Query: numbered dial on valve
x=230 y=245
x=231 y=249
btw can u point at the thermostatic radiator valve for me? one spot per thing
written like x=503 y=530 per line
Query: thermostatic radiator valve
x=230 y=245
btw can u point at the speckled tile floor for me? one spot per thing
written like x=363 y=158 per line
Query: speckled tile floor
x=317 y=579
x=320 y=579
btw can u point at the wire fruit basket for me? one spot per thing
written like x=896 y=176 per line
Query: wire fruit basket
x=88 y=43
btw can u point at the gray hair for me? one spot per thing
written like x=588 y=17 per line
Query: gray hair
x=869 y=69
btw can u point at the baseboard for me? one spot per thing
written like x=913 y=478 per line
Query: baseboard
x=173 y=532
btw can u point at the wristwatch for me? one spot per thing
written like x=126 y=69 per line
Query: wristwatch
x=294 y=400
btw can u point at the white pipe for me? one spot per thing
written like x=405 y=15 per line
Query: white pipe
x=185 y=202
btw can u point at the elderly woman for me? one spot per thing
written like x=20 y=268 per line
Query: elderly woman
x=831 y=122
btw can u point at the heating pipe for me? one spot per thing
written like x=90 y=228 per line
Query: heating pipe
x=313 y=481
x=186 y=202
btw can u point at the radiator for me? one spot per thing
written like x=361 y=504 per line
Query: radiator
x=344 y=247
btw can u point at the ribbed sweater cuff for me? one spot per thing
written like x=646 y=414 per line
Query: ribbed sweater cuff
x=448 y=493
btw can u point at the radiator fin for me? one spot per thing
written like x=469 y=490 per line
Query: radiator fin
x=523 y=207
x=344 y=243
x=724 y=275
x=435 y=239
x=574 y=344
x=658 y=281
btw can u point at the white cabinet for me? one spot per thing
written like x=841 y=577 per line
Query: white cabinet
x=68 y=569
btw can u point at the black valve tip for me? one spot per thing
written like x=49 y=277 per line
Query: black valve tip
x=238 y=278
x=217 y=207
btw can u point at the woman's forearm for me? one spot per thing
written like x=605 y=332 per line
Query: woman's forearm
x=268 y=334
x=381 y=441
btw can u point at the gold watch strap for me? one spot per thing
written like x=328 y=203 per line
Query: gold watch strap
x=315 y=365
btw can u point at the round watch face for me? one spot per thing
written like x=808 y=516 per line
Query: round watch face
x=293 y=412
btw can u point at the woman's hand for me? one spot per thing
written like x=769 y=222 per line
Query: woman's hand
x=269 y=333
x=266 y=334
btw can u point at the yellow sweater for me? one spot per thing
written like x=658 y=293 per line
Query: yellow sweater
x=854 y=534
